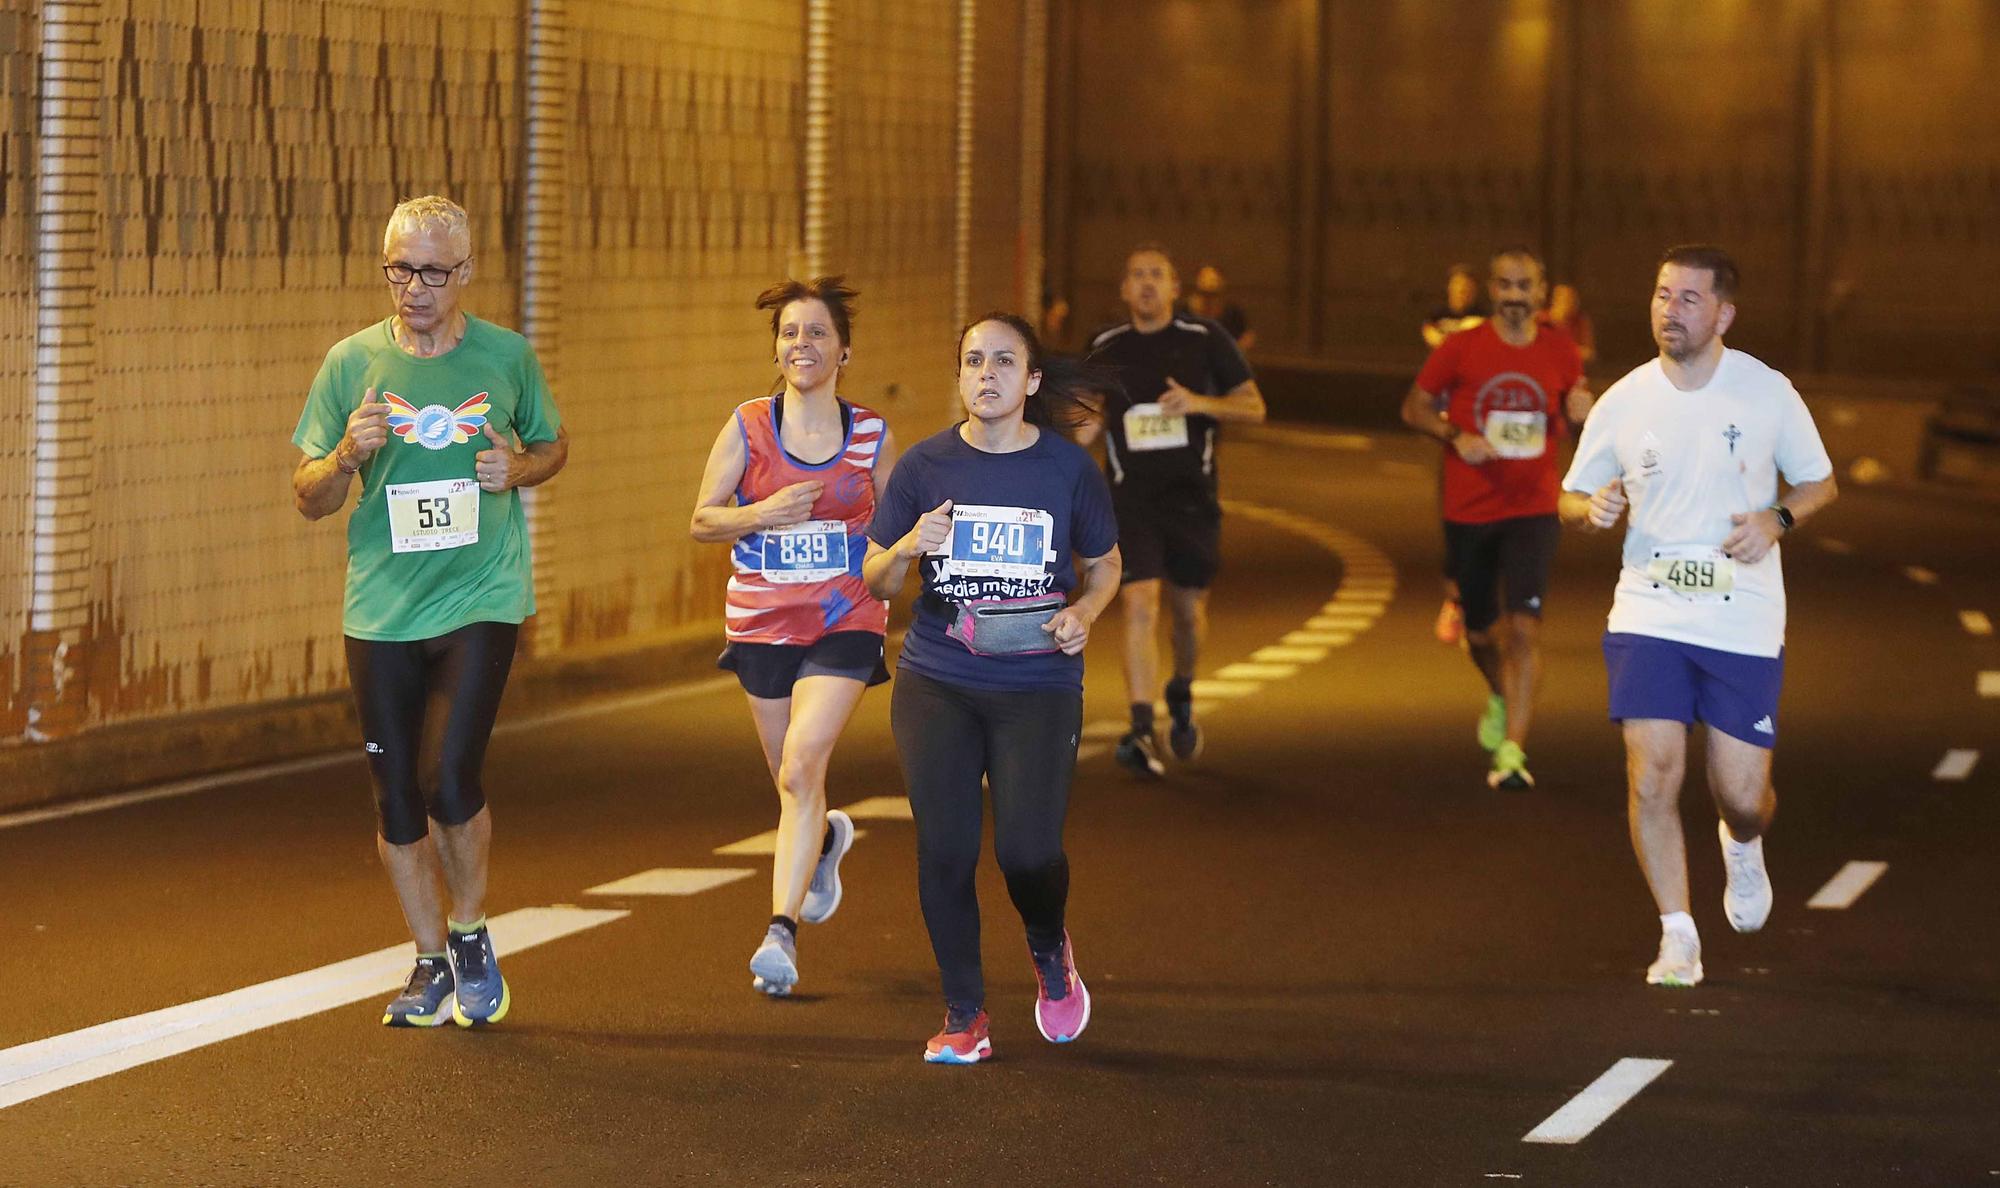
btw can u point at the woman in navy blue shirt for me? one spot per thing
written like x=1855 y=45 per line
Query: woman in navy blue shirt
x=1018 y=548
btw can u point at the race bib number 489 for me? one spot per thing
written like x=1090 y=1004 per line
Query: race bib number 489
x=1006 y=542
x=426 y=517
x=814 y=551
x=1696 y=574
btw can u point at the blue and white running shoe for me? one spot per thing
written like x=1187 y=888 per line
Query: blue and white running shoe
x=482 y=992
x=823 y=893
x=775 y=964
x=422 y=1002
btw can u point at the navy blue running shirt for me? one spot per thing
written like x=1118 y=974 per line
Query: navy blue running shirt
x=1017 y=520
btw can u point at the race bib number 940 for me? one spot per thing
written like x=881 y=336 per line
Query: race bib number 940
x=1006 y=542
x=813 y=551
x=1147 y=428
x=426 y=517
x=1517 y=434
x=1696 y=574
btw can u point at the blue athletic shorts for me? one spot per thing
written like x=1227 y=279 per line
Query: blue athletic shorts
x=1678 y=682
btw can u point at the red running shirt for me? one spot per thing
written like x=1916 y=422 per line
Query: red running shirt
x=1513 y=397
x=794 y=584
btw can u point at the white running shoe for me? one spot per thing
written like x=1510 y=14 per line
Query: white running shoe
x=1679 y=963
x=1747 y=898
x=823 y=893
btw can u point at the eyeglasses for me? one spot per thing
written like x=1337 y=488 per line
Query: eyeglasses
x=433 y=278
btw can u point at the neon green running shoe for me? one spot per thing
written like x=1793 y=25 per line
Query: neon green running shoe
x=1493 y=723
x=1510 y=768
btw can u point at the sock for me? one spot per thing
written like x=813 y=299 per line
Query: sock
x=430 y=956
x=1180 y=700
x=1142 y=717
x=1677 y=922
x=790 y=926
x=467 y=929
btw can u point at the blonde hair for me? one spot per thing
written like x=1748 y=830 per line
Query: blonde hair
x=431 y=212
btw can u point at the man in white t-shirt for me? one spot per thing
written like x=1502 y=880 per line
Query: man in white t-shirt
x=1694 y=443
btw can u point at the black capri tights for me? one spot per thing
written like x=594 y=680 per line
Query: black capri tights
x=427 y=708
x=1024 y=745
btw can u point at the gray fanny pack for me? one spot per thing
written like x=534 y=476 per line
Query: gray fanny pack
x=1006 y=626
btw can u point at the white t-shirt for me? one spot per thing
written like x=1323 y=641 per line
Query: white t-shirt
x=1690 y=460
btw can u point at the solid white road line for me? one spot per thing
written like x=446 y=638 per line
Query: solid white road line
x=1844 y=888
x=1975 y=622
x=1957 y=764
x=1920 y=575
x=1602 y=1098
x=878 y=808
x=1283 y=654
x=244 y=775
x=1989 y=684
x=671 y=881
x=43 y=1066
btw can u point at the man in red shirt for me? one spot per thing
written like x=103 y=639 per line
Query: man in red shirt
x=1510 y=389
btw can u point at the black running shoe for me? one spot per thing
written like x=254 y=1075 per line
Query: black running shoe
x=1140 y=755
x=1185 y=739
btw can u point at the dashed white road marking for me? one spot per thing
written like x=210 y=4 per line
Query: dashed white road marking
x=1835 y=545
x=1920 y=575
x=760 y=845
x=1257 y=672
x=1339 y=623
x=1085 y=754
x=1288 y=654
x=1213 y=689
x=1975 y=622
x=878 y=808
x=30 y=1070
x=1989 y=684
x=1847 y=886
x=671 y=881
x=1108 y=728
x=1600 y=1099
x=1317 y=639
x=1957 y=764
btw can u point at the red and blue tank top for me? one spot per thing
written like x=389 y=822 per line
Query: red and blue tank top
x=797 y=583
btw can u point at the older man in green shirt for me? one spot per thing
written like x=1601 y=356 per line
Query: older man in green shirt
x=426 y=407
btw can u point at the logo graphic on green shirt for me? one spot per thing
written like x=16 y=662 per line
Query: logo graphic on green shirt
x=434 y=426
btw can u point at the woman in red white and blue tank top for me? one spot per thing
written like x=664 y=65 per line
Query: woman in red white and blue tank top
x=791 y=486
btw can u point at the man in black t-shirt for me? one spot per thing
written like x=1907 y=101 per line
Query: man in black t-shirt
x=1183 y=377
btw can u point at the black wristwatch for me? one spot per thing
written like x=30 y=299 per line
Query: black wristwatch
x=1784 y=516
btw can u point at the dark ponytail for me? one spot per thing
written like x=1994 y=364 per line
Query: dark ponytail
x=1072 y=390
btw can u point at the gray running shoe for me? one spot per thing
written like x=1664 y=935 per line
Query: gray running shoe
x=422 y=1002
x=775 y=964
x=482 y=993
x=1140 y=755
x=823 y=893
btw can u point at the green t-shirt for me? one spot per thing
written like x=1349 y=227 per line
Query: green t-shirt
x=420 y=563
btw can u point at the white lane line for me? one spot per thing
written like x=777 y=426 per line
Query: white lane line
x=1844 y=888
x=1218 y=690
x=1317 y=639
x=1338 y=623
x=1108 y=728
x=1975 y=622
x=1371 y=608
x=1257 y=672
x=1920 y=575
x=244 y=775
x=671 y=881
x=29 y=1070
x=1957 y=764
x=1835 y=545
x=1092 y=751
x=1600 y=1099
x=879 y=808
x=760 y=845
x=1989 y=684
x=1284 y=654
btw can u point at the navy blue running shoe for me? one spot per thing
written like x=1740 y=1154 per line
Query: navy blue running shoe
x=482 y=992
x=422 y=1002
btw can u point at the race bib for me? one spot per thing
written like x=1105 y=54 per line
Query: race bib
x=426 y=517
x=1004 y=542
x=1695 y=573
x=1147 y=428
x=1517 y=434
x=813 y=551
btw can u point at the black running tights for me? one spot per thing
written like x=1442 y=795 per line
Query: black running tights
x=427 y=708
x=1024 y=745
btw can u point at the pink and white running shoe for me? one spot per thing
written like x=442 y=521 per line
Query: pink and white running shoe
x=1062 y=1005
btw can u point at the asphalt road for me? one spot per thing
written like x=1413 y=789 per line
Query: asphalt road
x=1326 y=954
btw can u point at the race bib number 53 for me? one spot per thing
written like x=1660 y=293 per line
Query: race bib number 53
x=1696 y=574
x=1005 y=542
x=426 y=517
